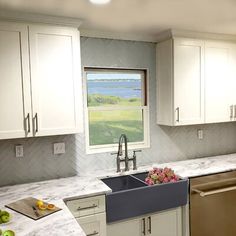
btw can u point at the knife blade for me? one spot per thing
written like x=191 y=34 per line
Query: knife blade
x=35 y=211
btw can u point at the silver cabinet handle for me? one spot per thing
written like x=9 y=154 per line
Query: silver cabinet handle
x=231 y=112
x=177 y=111
x=88 y=207
x=144 y=226
x=212 y=192
x=94 y=233
x=36 y=125
x=149 y=225
x=234 y=111
x=27 y=125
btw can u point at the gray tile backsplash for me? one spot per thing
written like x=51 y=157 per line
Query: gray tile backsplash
x=167 y=143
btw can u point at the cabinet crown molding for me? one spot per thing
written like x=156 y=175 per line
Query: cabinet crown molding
x=172 y=33
x=39 y=18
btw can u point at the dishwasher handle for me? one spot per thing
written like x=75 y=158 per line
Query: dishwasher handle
x=212 y=192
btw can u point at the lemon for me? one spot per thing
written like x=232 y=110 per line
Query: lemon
x=39 y=203
x=42 y=207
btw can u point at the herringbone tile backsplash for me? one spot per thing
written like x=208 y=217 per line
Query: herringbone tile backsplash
x=167 y=143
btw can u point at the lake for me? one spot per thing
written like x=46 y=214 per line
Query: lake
x=124 y=88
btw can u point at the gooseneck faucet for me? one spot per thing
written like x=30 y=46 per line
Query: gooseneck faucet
x=123 y=140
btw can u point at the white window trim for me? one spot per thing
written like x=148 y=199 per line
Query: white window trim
x=114 y=147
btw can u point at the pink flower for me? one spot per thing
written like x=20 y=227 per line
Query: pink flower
x=165 y=180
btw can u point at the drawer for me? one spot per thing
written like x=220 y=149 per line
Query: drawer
x=94 y=225
x=87 y=206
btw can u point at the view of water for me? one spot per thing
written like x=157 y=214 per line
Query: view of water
x=124 y=89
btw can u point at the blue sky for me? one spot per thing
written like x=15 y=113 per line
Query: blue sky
x=94 y=76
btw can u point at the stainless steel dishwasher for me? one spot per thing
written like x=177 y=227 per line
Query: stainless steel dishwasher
x=213 y=205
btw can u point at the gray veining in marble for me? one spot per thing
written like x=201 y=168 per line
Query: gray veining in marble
x=53 y=191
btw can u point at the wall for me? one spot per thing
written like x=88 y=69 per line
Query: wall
x=167 y=143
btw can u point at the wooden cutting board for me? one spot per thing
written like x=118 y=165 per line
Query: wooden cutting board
x=24 y=206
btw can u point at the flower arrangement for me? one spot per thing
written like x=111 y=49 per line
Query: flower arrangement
x=161 y=175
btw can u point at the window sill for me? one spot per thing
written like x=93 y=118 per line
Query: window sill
x=114 y=148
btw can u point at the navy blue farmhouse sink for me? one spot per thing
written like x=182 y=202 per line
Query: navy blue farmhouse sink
x=131 y=196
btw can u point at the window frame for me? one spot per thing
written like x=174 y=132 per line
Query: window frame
x=93 y=149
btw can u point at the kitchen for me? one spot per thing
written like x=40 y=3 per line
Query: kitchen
x=47 y=138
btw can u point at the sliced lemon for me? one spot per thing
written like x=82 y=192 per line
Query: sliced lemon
x=51 y=207
x=42 y=207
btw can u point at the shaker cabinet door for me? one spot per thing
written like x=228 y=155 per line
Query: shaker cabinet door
x=218 y=82
x=56 y=80
x=132 y=227
x=188 y=81
x=166 y=223
x=15 y=112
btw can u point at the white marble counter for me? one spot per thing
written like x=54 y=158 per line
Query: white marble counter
x=188 y=168
x=203 y=166
x=53 y=191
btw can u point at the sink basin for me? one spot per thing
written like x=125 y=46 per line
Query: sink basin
x=141 y=176
x=121 y=183
x=132 y=197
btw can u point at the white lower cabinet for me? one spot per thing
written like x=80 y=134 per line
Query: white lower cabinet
x=165 y=223
x=93 y=224
x=90 y=213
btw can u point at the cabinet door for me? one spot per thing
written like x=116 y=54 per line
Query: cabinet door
x=56 y=80
x=188 y=81
x=15 y=104
x=133 y=227
x=166 y=223
x=93 y=224
x=233 y=83
x=217 y=82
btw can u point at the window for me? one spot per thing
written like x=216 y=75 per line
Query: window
x=116 y=104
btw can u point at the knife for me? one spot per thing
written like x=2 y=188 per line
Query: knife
x=35 y=211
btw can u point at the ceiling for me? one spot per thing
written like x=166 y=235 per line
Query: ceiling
x=146 y=17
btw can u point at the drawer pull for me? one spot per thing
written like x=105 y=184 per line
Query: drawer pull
x=144 y=227
x=94 y=233
x=88 y=207
x=212 y=192
x=149 y=225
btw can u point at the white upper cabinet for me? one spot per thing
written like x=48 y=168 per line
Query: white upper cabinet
x=218 y=82
x=56 y=83
x=15 y=112
x=180 y=86
x=196 y=82
x=40 y=83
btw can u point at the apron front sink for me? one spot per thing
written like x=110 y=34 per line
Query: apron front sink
x=132 y=197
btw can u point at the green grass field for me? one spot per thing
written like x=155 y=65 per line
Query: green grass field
x=95 y=100
x=105 y=127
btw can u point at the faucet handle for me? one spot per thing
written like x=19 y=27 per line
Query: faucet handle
x=134 y=152
x=114 y=153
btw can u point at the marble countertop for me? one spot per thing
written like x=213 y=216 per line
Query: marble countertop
x=56 y=191
x=187 y=168
x=53 y=191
